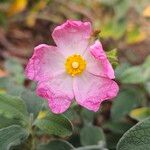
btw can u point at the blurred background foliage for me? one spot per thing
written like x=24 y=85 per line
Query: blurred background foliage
x=123 y=26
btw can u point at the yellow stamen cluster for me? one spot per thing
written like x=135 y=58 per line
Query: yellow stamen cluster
x=75 y=65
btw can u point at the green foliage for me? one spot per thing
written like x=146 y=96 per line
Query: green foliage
x=54 y=124
x=109 y=2
x=3 y=21
x=56 y=145
x=13 y=82
x=5 y=122
x=15 y=69
x=13 y=107
x=147 y=87
x=134 y=35
x=121 y=8
x=140 y=113
x=112 y=56
x=11 y=87
x=137 y=74
x=127 y=99
x=110 y=29
x=117 y=127
x=120 y=69
x=34 y=103
x=88 y=116
x=12 y=136
x=3 y=1
x=137 y=138
x=13 y=111
x=112 y=140
x=91 y=135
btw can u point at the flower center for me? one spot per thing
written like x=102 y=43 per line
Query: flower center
x=75 y=65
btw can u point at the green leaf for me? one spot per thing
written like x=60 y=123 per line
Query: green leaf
x=3 y=82
x=56 y=145
x=147 y=87
x=117 y=127
x=134 y=75
x=88 y=116
x=91 y=135
x=137 y=74
x=146 y=64
x=110 y=29
x=33 y=102
x=140 y=113
x=92 y=147
x=72 y=115
x=108 y=2
x=137 y=138
x=135 y=35
x=13 y=88
x=127 y=99
x=12 y=136
x=75 y=139
x=112 y=140
x=121 y=8
x=5 y=122
x=3 y=19
x=13 y=107
x=112 y=56
x=10 y=86
x=54 y=124
x=4 y=1
x=120 y=69
x=15 y=69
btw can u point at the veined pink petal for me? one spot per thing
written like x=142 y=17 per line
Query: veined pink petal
x=58 y=91
x=72 y=37
x=97 y=62
x=46 y=62
x=91 y=90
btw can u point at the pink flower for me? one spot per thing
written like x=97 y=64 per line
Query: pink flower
x=72 y=69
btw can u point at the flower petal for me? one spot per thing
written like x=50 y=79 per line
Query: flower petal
x=91 y=90
x=46 y=62
x=97 y=62
x=58 y=91
x=72 y=37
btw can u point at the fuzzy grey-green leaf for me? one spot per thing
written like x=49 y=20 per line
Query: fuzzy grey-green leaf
x=127 y=99
x=13 y=107
x=12 y=136
x=54 y=124
x=91 y=135
x=33 y=102
x=137 y=74
x=137 y=138
x=56 y=145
